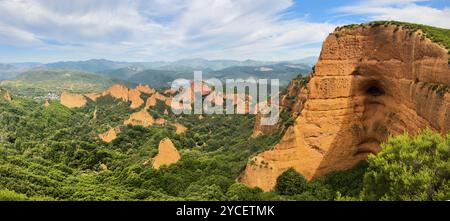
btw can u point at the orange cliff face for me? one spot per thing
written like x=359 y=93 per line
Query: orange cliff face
x=117 y=91
x=109 y=135
x=167 y=154
x=370 y=82
x=142 y=118
x=145 y=89
x=72 y=100
x=121 y=92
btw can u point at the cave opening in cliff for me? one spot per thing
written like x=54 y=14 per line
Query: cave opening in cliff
x=374 y=88
x=374 y=91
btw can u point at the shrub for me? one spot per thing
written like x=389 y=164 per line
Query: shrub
x=291 y=183
x=410 y=169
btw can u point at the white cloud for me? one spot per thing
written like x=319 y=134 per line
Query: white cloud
x=159 y=29
x=400 y=10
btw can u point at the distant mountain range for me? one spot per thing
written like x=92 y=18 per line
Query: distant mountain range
x=156 y=74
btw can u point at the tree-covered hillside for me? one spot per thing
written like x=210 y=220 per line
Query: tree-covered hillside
x=53 y=153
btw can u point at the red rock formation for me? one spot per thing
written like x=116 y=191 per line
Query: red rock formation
x=134 y=95
x=145 y=89
x=167 y=154
x=46 y=103
x=94 y=114
x=160 y=121
x=180 y=129
x=292 y=102
x=93 y=96
x=370 y=82
x=72 y=100
x=117 y=91
x=142 y=118
x=109 y=135
x=152 y=100
x=7 y=96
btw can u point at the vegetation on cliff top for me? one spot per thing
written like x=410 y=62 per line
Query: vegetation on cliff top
x=438 y=35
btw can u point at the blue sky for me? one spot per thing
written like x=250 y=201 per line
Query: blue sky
x=142 y=30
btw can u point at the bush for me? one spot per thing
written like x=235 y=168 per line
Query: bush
x=8 y=195
x=241 y=192
x=410 y=169
x=291 y=183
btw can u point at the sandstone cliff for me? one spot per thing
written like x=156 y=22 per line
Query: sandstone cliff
x=167 y=154
x=117 y=91
x=72 y=100
x=7 y=96
x=93 y=96
x=109 y=135
x=145 y=89
x=369 y=83
x=179 y=128
x=142 y=118
x=292 y=101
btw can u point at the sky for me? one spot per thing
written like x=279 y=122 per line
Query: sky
x=167 y=30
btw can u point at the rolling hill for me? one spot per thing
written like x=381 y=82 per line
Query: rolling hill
x=41 y=82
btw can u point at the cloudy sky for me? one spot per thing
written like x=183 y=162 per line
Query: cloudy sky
x=142 y=30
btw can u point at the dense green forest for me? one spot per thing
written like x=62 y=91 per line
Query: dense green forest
x=52 y=153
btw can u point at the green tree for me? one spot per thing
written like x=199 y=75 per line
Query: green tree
x=291 y=183
x=241 y=192
x=410 y=169
x=8 y=195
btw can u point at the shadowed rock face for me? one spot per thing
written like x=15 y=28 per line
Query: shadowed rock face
x=370 y=82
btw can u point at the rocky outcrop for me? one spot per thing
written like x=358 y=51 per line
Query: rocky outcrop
x=46 y=103
x=145 y=89
x=167 y=154
x=103 y=167
x=93 y=96
x=109 y=135
x=292 y=101
x=94 y=114
x=7 y=96
x=72 y=100
x=152 y=100
x=369 y=83
x=160 y=121
x=260 y=129
x=117 y=91
x=134 y=95
x=142 y=118
x=179 y=128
